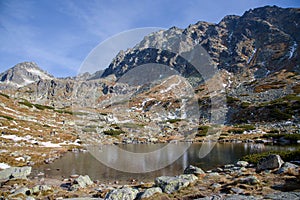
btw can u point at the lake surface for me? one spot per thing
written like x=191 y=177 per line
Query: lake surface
x=84 y=163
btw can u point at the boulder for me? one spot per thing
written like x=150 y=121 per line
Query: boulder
x=81 y=182
x=193 y=170
x=150 y=192
x=15 y=173
x=270 y=162
x=289 y=168
x=125 y=193
x=40 y=188
x=249 y=180
x=170 y=184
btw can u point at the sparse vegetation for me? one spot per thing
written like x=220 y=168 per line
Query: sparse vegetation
x=231 y=99
x=172 y=121
x=285 y=155
x=132 y=125
x=202 y=131
x=291 y=137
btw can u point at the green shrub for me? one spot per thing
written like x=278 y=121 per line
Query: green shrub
x=43 y=107
x=64 y=111
x=5 y=95
x=246 y=127
x=26 y=103
x=113 y=132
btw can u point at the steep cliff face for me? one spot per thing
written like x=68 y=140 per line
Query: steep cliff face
x=263 y=40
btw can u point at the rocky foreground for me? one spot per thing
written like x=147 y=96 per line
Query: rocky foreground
x=271 y=178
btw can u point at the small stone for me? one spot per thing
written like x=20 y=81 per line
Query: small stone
x=216 y=185
x=228 y=166
x=40 y=188
x=250 y=180
x=150 y=192
x=74 y=176
x=237 y=190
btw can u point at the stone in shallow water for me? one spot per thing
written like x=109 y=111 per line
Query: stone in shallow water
x=123 y=193
x=272 y=161
x=193 y=170
x=15 y=173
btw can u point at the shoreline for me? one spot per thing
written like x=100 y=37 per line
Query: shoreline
x=240 y=178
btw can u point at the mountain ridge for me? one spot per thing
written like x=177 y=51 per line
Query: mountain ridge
x=257 y=55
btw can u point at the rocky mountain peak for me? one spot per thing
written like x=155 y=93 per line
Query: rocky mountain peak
x=23 y=74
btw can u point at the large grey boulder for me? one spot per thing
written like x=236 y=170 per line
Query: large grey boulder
x=272 y=161
x=15 y=173
x=193 y=170
x=170 y=184
x=150 y=192
x=125 y=193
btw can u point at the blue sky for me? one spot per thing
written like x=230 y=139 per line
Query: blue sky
x=59 y=34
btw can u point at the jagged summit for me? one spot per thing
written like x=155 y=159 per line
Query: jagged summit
x=23 y=74
x=262 y=41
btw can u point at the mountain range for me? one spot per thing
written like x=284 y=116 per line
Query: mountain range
x=257 y=56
